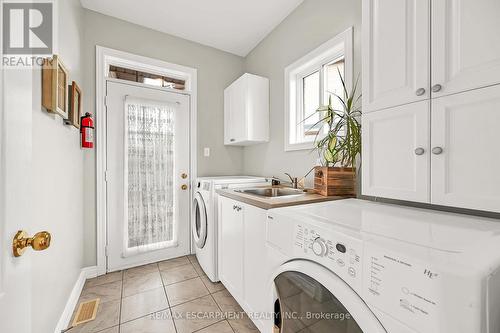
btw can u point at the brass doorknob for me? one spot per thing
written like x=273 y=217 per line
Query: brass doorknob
x=21 y=241
x=184 y=187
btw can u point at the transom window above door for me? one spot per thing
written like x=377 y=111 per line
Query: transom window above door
x=309 y=84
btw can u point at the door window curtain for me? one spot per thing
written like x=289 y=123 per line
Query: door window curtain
x=149 y=172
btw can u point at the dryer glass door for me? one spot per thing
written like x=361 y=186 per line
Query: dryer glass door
x=305 y=305
x=200 y=221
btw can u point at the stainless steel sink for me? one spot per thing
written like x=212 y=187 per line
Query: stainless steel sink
x=272 y=192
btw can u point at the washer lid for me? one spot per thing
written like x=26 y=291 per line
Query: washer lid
x=432 y=229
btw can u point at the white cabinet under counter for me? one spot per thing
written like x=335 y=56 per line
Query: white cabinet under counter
x=246 y=111
x=242 y=253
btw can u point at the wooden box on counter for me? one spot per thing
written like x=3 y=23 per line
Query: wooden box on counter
x=332 y=181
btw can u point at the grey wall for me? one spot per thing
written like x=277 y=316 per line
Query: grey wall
x=58 y=184
x=311 y=24
x=216 y=70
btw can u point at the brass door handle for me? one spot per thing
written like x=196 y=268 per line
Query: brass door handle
x=184 y=187
x=21 y=241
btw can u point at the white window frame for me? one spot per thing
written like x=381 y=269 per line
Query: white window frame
x=340 y=46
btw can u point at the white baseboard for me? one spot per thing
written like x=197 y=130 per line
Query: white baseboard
x=85 y=273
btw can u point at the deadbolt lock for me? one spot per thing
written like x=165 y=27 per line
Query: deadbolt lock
x=21 y=241
x=184 y=175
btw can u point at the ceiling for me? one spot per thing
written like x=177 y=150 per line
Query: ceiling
x=235 y=26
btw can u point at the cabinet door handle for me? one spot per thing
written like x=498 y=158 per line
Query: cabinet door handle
x=437 y=88
x=232 y=140
x=420 y=91
x=419 y=151
x=437 y=150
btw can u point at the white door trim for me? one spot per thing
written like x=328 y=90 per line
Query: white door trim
x=105 y=57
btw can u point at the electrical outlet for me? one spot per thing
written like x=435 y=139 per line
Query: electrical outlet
x=206 y=152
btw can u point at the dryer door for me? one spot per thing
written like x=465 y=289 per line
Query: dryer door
x=311 y=298
x=200 y=221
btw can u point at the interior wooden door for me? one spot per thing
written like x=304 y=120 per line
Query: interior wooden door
x=465 y=45
x=17 y=275
x=396 y=54
x=466 y=154
x=396 y=153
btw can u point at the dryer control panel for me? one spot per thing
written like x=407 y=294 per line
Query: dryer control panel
x=338 y=252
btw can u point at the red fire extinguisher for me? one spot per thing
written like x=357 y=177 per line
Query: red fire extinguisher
x=87 y=131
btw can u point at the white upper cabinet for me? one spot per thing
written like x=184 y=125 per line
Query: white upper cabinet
x=396 y=52
x=465 y=150
x=246 y=111
x=465 y=45
x=396 y=153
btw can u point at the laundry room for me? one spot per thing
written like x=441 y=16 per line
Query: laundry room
x=234 y=166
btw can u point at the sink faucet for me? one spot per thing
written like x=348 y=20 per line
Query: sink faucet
x=293 y=180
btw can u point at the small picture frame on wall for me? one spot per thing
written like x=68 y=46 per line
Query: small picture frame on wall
x=55 y=86
x=75 y=105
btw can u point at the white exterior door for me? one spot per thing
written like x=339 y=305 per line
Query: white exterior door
x=396 y=54
x=147 y=157
x=16 y=274
x=465 y=45
x=465 y=142
x=396 y=153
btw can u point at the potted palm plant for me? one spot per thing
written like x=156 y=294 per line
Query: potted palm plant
x=339 y=148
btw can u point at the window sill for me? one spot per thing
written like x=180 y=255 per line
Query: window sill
x=299 y=146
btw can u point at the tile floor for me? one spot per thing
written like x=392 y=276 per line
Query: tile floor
x=173 y=296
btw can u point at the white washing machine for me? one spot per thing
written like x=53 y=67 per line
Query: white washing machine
x=204 y=227
x=355 y=266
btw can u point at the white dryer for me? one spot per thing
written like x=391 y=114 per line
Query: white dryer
x=354 y=266
x=204 y=227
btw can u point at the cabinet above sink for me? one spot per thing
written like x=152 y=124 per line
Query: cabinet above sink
x=246 y=111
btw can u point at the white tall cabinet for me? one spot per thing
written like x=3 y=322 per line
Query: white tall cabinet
x=431 y=102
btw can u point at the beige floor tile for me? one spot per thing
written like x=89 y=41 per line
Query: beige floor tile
x=178 y=274
x=212 y=287
x=192 y=258
x=196 y=314
x=106 y=292
x=185 y=291
x=220 y=327
x=143 y=304
x=226 y=302
x=198 y=268
x=243 y=325
x=142 y=283
x=111 y=330
x=160 y=322
x=108 y=315
x=103 y=279
x=176 y=262
x=140 y=270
